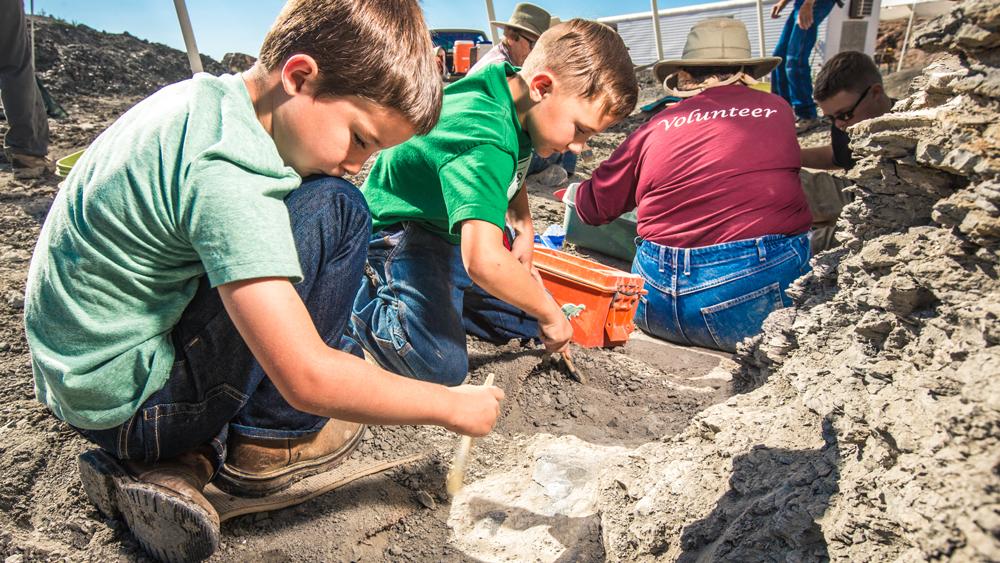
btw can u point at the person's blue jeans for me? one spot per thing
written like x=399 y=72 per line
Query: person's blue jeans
x=565 y=159
x=415 y=308
x=715 y=296
x=216 y=386
x=792 y=78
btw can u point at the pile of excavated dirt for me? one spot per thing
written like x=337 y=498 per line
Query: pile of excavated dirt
x=871 y=431
x=75 y=60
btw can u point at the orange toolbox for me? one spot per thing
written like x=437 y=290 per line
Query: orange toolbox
x=601 y=300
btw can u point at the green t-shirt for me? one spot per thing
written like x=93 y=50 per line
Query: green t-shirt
x=468 y=167
x=184 y=184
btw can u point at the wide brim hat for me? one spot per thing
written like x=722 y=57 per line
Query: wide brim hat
x=527 y=18
x=717 y=42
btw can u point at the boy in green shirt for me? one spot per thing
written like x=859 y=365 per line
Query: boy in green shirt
x=160 y=311
x=443 y=204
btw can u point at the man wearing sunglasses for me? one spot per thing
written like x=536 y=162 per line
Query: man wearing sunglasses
x=849 y=90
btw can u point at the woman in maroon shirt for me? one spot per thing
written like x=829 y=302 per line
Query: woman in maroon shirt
x=723 y=222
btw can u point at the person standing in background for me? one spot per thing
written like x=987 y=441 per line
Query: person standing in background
x=792 y=79
x=26 y=144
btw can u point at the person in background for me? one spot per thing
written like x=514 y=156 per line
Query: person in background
x=26 y=144
x=715 y=180
x=849 y=90
x=520 y=34
x=792 y=79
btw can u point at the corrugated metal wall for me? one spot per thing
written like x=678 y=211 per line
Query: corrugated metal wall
x=638 y=32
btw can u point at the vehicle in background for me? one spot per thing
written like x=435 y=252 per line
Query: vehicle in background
x=461 y=48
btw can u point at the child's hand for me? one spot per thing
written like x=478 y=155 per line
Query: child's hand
x=523 y=248
x=475 y=409
x=555 y=332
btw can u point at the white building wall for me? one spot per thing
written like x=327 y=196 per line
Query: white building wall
x=637 y=29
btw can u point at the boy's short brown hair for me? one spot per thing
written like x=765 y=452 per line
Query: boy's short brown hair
x=379 y=50
x=591 y=60
x=848 y=71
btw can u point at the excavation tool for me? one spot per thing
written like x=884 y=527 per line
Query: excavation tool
x=571 y=367
x=571 y=310
x=456 y=475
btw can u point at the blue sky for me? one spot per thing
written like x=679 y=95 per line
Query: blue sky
x=222 y=26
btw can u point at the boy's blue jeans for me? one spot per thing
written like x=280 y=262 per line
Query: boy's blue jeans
x=216 y=386
x=417 y=304
x=715 y=296
x=792 y=79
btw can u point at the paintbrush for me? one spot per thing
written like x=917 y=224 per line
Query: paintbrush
x=456 y=475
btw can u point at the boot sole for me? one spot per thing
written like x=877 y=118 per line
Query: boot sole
x=239 y=483
x=168 y=526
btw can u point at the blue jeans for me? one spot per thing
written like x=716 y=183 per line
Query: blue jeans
x=792 y=78
x=413 y=312
x=565 y=159
x=715 y=296
x=216 y=386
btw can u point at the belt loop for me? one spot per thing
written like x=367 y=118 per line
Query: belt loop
x=687 y=261
x=663 y=253
x=761 y=252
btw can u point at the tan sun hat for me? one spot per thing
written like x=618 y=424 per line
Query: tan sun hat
x=527 y=18
x=717 y=42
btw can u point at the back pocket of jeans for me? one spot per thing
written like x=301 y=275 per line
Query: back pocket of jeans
x=731 y=321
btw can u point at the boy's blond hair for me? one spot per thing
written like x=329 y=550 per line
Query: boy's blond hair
x=379 y=50
x=591 y=60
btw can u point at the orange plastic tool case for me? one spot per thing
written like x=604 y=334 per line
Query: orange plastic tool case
x=601 y=299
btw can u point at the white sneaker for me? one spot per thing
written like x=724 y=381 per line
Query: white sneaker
x=552 y=176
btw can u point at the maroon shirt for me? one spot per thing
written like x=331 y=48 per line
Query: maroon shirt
x=717 y=167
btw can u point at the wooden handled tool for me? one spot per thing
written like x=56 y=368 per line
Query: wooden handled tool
x=456 y=475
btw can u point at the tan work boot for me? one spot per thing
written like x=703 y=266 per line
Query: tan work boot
x=161 y=504
x=28 y=166
x=257 y=467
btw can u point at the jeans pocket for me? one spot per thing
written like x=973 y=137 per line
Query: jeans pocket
x=731 y=321
x=173 y=428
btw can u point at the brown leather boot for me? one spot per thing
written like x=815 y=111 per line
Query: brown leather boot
x=162 y=504
x=257 y=467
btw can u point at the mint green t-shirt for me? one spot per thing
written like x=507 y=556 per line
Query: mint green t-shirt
x=187 y=183
x=468 y=167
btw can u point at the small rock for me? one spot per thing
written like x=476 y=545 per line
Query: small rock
x=395 y=550
x=16 y=558
x=426 y=499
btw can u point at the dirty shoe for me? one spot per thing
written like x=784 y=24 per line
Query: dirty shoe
x=28 y=166
x=161 y=504
x=552 y=176
x=257 y=467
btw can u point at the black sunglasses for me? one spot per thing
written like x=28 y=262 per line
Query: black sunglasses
x=847 y=115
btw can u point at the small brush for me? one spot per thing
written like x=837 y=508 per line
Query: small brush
x=456 y=475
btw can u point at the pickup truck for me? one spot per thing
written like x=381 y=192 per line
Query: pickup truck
x=444 y=39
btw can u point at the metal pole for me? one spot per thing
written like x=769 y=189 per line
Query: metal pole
x=33 y=34
x=760 y=27
x=906 y=37
x=192 y=48
x=492 y=17
x=656 y=31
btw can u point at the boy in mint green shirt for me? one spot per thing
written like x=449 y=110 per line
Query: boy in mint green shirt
x=160 y=309
x=444 y=204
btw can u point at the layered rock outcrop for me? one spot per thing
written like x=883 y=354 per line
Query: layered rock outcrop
x=870 y=425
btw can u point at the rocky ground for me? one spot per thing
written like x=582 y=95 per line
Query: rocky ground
x=865 y=428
